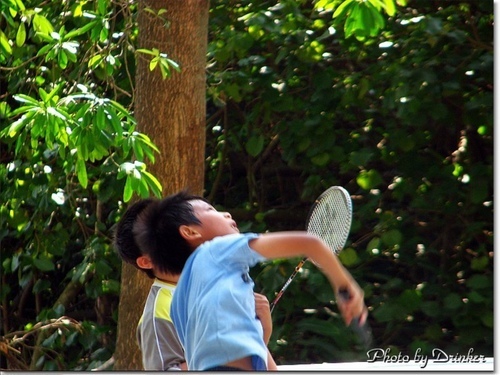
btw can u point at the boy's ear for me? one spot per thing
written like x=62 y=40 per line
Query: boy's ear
x=144 y=262
x=189 y=233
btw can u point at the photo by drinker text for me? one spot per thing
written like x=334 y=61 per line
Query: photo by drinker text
x=436 y=356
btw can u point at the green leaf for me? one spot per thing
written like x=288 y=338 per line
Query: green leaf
x=103 y=35
x=324 y=4
x=173 y=64
x=255 y=145
x=102 y=7
x=378 y=4
x=321 y=159
x=62 y=59
x=57 y=113
x=379 y=21
x=374 y=244
x=80 y=31
x=50 y=342
x=110 y=286
x=22 y=98
x=367 y=19
x=349 y=257
x=152 y=64
x=44 y=264
x=6 y=49
x=147 y=51
x=475 y=297
x=353 y=21
x=41 y=285
x=16 y=126
x=479 y=282
x=143 y=187
x=479 y=191
x=42 y=24
x=392 y=237
x=360 y=158
x=46 y=48
x=343 y=8
x=116 y=124
x=138 y=150
x=102 y=267
x=410 y=300
x=479 y=264
x=43 y=94
x=81 y=171
x=46 y=37
x=431 y=308
x=390 y=7
x=152 y=183
x=128 y=191
x=487 y=319
x=19 y=4
x=121 y=109
x=165 y=68
x=15 y=262
x=387 y=312
x=95 y=60
x=100 y=119
x=452 y=301
x=21 y=35
x=369 y=179
x=149 y=151
x=53 y=92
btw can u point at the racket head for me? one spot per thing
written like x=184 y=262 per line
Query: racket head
x=330 y=217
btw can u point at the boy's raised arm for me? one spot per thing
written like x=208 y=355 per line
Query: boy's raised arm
x=301 y=244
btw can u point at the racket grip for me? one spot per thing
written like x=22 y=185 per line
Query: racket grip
x=344 y=294
x=363 y=332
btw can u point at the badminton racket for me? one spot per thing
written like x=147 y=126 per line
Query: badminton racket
x=330 y=219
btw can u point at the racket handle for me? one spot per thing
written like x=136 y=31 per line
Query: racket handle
x=363 y=332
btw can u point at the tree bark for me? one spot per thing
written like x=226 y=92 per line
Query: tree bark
x=172 y=112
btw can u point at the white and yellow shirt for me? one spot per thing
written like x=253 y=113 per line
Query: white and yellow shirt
x=156 y=335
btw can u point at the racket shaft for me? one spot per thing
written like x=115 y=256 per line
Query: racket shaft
x=285 y=286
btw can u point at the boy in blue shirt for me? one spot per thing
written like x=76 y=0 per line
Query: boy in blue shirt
x=213 y=306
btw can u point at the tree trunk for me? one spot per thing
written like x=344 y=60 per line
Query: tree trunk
x=172 y=112
x=134 y=289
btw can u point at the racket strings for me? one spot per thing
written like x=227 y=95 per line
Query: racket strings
x=331 y=220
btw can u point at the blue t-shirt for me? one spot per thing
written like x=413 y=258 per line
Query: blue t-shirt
x=213 y=308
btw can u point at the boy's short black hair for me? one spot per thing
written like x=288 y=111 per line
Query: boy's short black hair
x=156 y=231
x=124 y=240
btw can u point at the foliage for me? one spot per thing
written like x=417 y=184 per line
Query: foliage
x=393 y=103
x=404 y=121
x=71 y=157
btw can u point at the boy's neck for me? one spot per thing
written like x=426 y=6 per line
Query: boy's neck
x=167 y=277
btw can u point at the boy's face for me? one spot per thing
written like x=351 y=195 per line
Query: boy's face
x=213 y=222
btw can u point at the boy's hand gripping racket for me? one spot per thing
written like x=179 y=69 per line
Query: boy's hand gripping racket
x=330 y=219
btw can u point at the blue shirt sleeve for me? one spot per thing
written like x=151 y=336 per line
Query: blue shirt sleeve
x=233 y=252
